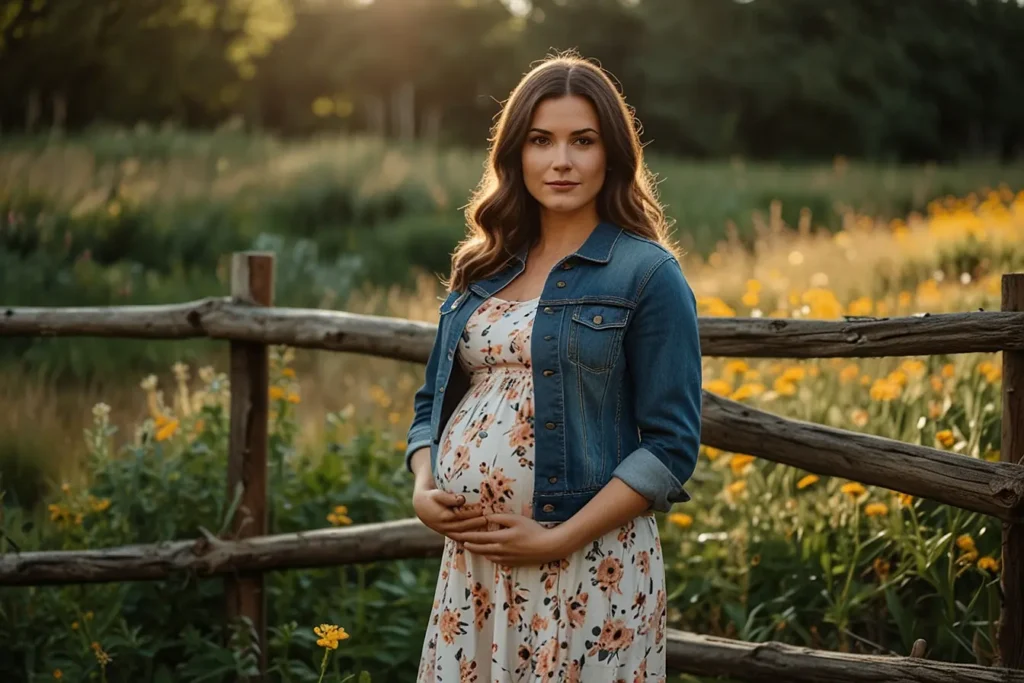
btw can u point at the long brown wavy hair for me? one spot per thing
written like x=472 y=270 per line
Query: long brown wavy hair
x=502 y=216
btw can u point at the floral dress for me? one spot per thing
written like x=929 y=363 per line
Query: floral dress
x=596 y=615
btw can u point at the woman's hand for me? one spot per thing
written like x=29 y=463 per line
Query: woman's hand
x=521 y=541
x=439 y=510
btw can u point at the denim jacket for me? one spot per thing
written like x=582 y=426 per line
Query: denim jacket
x=616 y=373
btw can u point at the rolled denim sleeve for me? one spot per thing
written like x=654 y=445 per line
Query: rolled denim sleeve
x=419 y=434
x=662 y=348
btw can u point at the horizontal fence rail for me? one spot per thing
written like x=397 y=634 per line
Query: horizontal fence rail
x=778 y=663
x=410 y=539
x=400 y=339
x=994 y=488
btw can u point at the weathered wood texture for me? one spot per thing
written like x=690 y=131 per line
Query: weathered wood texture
x=219 y=318
x=210 y=556
x=1011 y=622
x=252 y=283
x=994 y=488
x=777 y=663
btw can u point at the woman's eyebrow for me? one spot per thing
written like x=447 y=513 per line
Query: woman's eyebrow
x=575 y=132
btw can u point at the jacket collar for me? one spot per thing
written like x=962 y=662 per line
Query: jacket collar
x=597 y=248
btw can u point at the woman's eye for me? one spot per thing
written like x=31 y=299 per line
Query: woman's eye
x=538 y=139
x=586 y=141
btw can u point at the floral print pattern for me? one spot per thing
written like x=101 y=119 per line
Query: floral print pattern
x=598 y=615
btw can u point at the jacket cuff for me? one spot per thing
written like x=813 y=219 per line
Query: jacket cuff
x=643 y=472
x=417 y=439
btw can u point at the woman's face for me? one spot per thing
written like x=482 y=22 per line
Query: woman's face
x=564 y=155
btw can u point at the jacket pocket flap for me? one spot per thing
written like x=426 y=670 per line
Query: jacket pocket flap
x=601 y=316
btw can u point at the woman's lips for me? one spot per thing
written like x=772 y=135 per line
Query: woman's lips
x=562 y=186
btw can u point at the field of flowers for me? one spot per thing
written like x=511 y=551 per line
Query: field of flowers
x=762 y=552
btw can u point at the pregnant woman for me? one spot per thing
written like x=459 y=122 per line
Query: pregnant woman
x=561 y=401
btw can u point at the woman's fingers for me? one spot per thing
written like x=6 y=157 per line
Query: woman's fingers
x=483 y=548
x=467 y=524
x=468 y=512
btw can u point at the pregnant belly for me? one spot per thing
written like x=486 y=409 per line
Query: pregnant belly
x=492 y=475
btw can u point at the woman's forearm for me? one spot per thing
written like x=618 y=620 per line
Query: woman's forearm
x=420 y=464
x=613 y=506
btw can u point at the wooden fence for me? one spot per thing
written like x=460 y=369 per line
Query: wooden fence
x=249 y=322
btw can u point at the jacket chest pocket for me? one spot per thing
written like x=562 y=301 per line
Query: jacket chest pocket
x=595 y=335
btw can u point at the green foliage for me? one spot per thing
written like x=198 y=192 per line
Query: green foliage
x=168 y=483
x=788 y=79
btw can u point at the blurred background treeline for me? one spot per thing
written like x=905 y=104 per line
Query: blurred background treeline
x=819 y=159
x=782 y=79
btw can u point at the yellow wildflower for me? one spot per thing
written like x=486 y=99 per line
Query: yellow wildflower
x=945 y=438
x=988 y=563
x=783 y=386
x=898 y=377
x=750 y=299
x=748 y=390
x=948 y=370
x=736 y=367
x=276 y=393
x=849 y=373
x=58 y=674
x=292 y=397
x=876 y=509
x=913 y=367
x=885 y=390
x=861 y=306
x=965 y=542
x=330 y=635
x=905 y=499
x=712 y=452
x=288 y=372
x=991 y=371
x=340 y=516
x=74 y=625
x=713 y=306
x=794 y=374
x=718 y=386
x=680 y=519
x=937 y=384
x=807 y=480
x=736 y=488
x=167 y=431
x=741 y=464
x=853 y=489
x=904 y=299
x=859 y=417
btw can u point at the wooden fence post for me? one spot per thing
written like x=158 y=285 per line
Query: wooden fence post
x=252 y=282
x=1011 y=618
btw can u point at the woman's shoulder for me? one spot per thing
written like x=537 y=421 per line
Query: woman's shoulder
x=642 y=253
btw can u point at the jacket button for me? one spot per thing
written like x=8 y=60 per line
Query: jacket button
x=548 y=309
x=598 y=319
x=442 y=388
x=548 y=373
x=549 y=508
x=560 y=283
x=550 y=425
x=548 y=337
x=553 y=480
